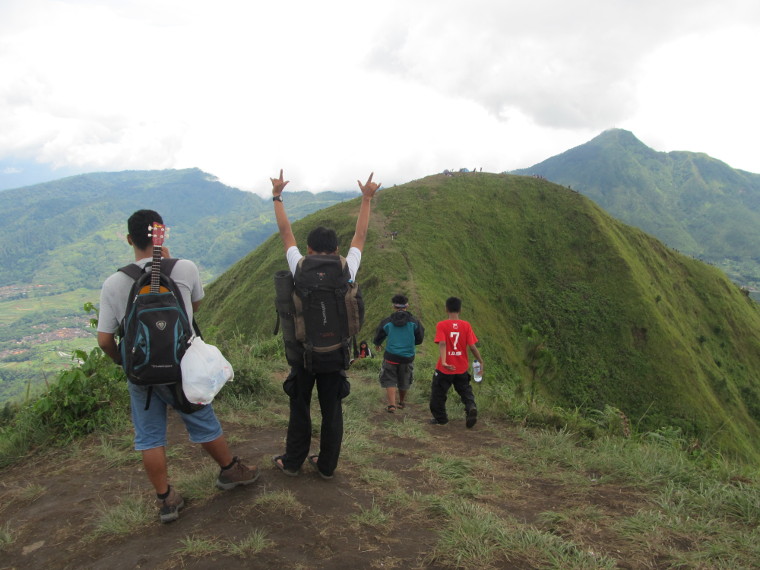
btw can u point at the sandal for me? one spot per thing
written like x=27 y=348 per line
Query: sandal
x=401 y=405
x=313 y=459
x=390 y=408
x=278 y=461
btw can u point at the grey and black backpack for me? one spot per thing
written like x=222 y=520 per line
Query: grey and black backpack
x=321 y=311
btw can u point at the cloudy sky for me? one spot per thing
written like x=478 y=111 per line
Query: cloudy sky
x=331 y=90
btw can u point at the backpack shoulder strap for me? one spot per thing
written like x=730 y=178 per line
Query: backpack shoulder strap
x=168 y=264
x=344 y=269
x=133 y=270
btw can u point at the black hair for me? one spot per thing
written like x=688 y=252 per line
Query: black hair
x=322 y=240
x=453 y=304
x=400 y=300
x=138 y=224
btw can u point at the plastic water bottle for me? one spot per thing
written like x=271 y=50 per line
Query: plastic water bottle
x=476 y=374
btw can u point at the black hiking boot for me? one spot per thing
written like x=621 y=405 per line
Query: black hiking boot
x=472 y=417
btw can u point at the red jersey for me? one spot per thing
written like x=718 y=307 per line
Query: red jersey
x=458 y=335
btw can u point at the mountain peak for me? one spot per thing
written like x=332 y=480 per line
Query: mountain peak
x=617 y=136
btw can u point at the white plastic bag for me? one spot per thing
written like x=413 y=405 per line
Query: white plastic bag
x=204 y=372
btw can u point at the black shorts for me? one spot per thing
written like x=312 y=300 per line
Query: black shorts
x=398 y=376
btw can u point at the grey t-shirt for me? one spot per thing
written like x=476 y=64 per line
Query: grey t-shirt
x=115 y=291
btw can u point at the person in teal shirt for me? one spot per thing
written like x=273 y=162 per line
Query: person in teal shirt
x=403 y=333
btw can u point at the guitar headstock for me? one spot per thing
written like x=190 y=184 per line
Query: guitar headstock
x=158 y=233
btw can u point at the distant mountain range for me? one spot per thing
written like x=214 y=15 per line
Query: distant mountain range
x=628 y=322
x=70 y=233
x=692 y=202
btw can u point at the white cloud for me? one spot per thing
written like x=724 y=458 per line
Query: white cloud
x=332 y=90
x=564 y=64
x=699 y=93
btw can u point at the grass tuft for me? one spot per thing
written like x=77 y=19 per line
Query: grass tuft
x=373 y=517
x=280 y=502
x=7 y=536
x=198 y=547
x=127 y=516
x=251 y=545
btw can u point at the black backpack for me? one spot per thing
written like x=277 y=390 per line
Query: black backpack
x=321 y=310
x=155 y=331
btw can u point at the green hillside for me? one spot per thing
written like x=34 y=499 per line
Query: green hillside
x=665 y=338
x=694 y=203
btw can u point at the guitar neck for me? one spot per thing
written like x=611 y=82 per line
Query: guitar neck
x=155 y=270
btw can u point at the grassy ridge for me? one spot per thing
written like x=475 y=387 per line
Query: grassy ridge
x=630 y=323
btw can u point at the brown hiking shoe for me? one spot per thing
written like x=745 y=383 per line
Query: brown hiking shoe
x=236 y=475
x=168 y=508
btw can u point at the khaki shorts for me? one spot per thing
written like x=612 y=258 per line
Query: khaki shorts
x=398 y=376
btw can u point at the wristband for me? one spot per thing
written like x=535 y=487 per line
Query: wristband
x=276 y=198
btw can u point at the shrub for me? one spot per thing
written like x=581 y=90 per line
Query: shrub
x=253 y=363
x=88 y=397
x=84 y=398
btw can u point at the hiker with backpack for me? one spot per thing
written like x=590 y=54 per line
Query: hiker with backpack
x=325 y=310
x=403 y=332
x=153 y=322
x=454 y=337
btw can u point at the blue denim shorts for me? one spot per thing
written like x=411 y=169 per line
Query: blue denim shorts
x=150 y=425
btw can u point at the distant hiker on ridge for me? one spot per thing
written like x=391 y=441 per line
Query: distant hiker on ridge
x=149 y=403
x=318 y=280
x=454 y=336
x=403 y=332
x=364 y=351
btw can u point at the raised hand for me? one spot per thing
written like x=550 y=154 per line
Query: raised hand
x=278 y=184
x=369 y=188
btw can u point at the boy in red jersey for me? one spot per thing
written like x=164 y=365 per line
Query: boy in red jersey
x=454 y=336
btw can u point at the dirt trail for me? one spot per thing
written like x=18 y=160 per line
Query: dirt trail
x=53 y=501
